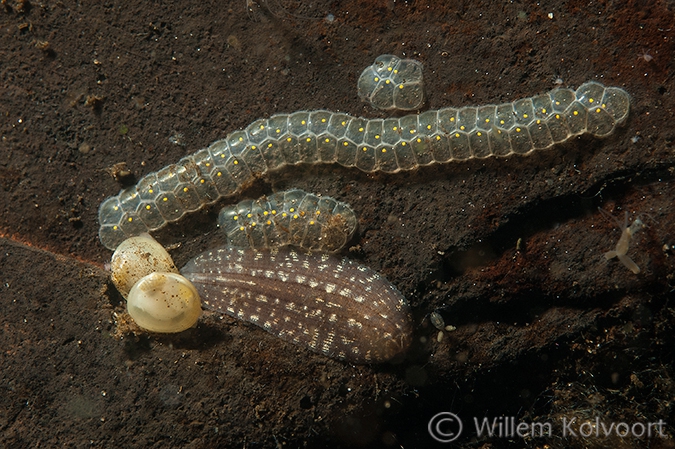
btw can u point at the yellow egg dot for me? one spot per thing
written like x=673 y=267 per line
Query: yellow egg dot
x=387 y=82
x=452 y=119
x=456 y=134
x=241 y=228
x=598 y=110
x=292 y=209
x=327 y=140
x=345 y=144
x=268 y=222
x=309 y=139
x=501 y=122
x=400 y=86
x=323 y=120
x=377 y=136
x=131 y=219
x=360 y=130
x=311 y=222
x=248 y=215
x=428 y=126
x=525 y=115
x=165 y=199
x=389 y=69
x=395 y=128
x=403 y=144
x=266 y=213
x=202 y=181
x=343 y=123
x=303 y=122
x=517 y=130
x=241 y=139
x=288 y=139
x=365 y=149
x=147 y=207
x=207 y=164
x=576 y=112
x=318 y=212
x=479 y=134
x=384 y=150
x=438 y=137
x=253 y=147
x=295 y=216
x=253 y=224
x=235 y=218
x=115 y=228
x=543 y=110
x=376 y=79
x=462 y=127
x=419 y=140
x=590 y=100
x=274 y=211
x=262 y=127
x=185 y=189
x=278 y=131
x=236 y=162
x=219 y=174
x=118 y=208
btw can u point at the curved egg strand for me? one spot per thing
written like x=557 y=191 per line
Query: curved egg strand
x=390 y=145
x=331 y=306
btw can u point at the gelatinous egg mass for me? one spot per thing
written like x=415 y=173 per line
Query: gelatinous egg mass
x=392 y=83
x=164 y=302
x=389 y=145
x=332 y=306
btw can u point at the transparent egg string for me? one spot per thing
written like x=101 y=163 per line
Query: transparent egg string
x=371 y=145
x=293 y=217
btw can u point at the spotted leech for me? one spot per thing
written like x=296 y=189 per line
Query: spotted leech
x=332 y=306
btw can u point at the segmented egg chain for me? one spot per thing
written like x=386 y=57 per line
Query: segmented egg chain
x=392 y=83
x=293 y=217
x=332 y=306
x=379 y=145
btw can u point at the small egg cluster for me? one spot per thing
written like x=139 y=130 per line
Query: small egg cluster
x=293 y=217
x=392 y=83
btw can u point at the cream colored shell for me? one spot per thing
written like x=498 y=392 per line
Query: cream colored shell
x=135 y=258
x=164 y=302
x=158 y=298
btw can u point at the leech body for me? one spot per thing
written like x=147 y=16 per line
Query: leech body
x=332 y=306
